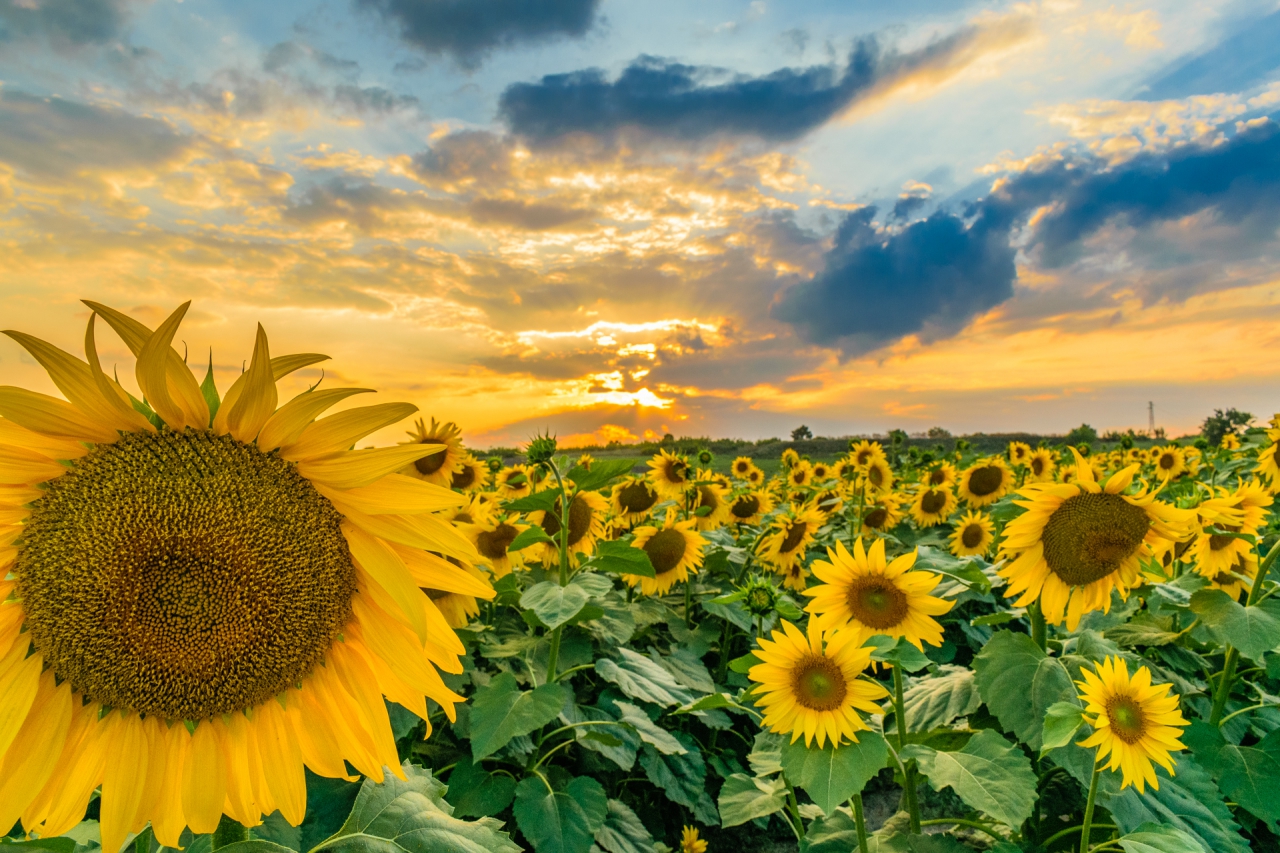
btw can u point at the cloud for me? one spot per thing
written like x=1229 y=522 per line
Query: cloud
x=1245 y=57
x=65 y=23
x=686 y=102
x=468 y=30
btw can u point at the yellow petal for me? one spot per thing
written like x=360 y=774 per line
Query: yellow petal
x=293 y=417
x=283 y=365
x=50 y=416
x=233 y=738
x=169 y=386
x=204 y=780
x=245 y=415
x=431 y=572
x=25 y=468
x=74 y=380
x=19 y=682
x=316 y=741
x=418 y=531
x=30 y=762
x=385 y=568
x=61 y=804
x=341 y=431
x=47 y=446
x=281 y=760
x=396 y=494
x=109 y=389
x=168 y=820
x=363 y=467
x=362 y=685
x=123 y=783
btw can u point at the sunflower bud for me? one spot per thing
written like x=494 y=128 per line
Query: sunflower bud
x=495 y=465
x=761 y=597
x=705 y=456
x=541 y=449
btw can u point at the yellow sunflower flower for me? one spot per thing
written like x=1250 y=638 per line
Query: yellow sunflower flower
x=741 y=467
x=472 y=476
x=1267 y=467
x=973 y=535
x=750 y=507
x=690 y=842
x=755 y=477
x=1230 y=441
x=1019 y=453
x=1079 y=541
x=714 y=497
x=796 y=577
x=586 y=526
x=1241 y=511
x=864 y=453
x=942 y=476
x=675 y=550
x=476 y=510
x=821 y=472
x=873 y=596
x=812 y=687
x=800 y=475
x=211 y=597
x=456 y=607
x=1135 y=722
x=586 y=460
x=1041 y=465
x=1170 y=463
x=829 y=502
x=881 y=516
x=514 y=482
x=985 y=483
x=933 y=506
x=438 y=468
x=792 y=532
x=631 y=500
x=878 y=477
x=669 y=474
x=790 y=457
x=492 y=538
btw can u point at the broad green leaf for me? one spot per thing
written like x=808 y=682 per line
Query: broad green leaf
x=615 y=625
x=939 y=699
x=554 y=604
x=623 y=831
x=620 y=558
x=682 y=778
x=641 y=678
x=563 y=821
x=1000 y=617
x=832 y=775
x=602 y=471
x=1143 y=630
x=410 y=816
x=897 y=652
x=1154 y=838
x=686 y=669
x=596 y=585
x=835 y=833
x=1189 y=801
x=531 y=535
x=766 y=754
x=838 y=833
x=1061 y=722
x=544 y=500
x=649 y=732
x=257 y=845
x=743 y=798
x=1250 y=775
x=622 y=754
x=743 y=664
x=475 y=792
x=502 y=711
x=58 y=844
x=1019 y=682
x=1253 y=630
x=989 y=774
x=329 y=801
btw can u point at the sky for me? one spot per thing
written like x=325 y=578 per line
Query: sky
x=615 y=220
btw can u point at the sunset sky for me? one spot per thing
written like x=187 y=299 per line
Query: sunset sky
x=618 y=219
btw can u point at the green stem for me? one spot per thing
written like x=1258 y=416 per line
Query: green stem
x=229 y=832
x=551 y=752
x=793 y=806
x=554 y=655
x=973 y=824
x=1073 y=830
x=1039 y=631
x=859 y=821
x=909 y=767
x=1087 y=826
x=688 y=602
x=573 y=669
x=1228 y=717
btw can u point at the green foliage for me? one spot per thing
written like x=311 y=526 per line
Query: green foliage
x=502 y=711
x=831 y=775
x=989 y=774
x=560 y=821
x=1253 y=630
x=1019 y=682
x=1220 y=423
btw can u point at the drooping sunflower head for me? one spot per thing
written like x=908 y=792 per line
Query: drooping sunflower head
x=941 y=475
x=514 y=482
x=1019 y=452
x=1079 y=541
x=741 y=466
x=790 y=457
x=675 y=550
x=711 y=504
x=796 y=577
x=755 y=477
x=877 y=477
x=1238 y=579
x=493 y=537
x=670 y=474
x=985 y=483
x=438 y=468
x=632 y=498
x=792 y=532
x=187 y=559
x=863 y=453
x=1041 y=465
x=800 y=474
x=973 y=536
x=933 y=506
x=1170 y=462
x=585 y=524
x=750 y=507
x=1135 y=722
x=882 y=515
x=472 y=475
x=875 y=596
x=812 y=686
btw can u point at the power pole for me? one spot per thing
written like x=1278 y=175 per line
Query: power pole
x=1151 y=419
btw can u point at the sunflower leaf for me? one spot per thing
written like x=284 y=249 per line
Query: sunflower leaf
x=502 y=711
x=649 y=732
x=1254 y=630
x=831 y=775
x=554 y=604
x=475 y=792
x=602 y=471
x=531 y=535
x=1154 y=838
x=560 y=821
x=1061 y=722
x=683 y=778
x=743 y=798
x=990 y=774
x=544 y=500
x=940 y=699
x=619 y=557
x=623 y=831
x=1019 y=682
x=641 y=678
x=897 y=652
x=1250 y=775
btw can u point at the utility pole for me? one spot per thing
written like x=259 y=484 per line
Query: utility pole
x=1151 y=419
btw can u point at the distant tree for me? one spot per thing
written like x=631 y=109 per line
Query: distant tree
x=668 y=438
x=800 y=433
x=938 y=432
x=1220 y=423
x=1083 y=434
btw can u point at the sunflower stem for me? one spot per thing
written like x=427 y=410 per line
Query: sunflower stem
x=229 y=832
x=1039 y=631
x=793 y=806
x=1087 y=825
x=909 y=767
x=859 y=821
x=553 y=656
x=688 y=603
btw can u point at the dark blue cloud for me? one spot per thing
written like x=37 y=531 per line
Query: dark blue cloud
x=467 y=30
x=66 y=23
x=1245 y=57
x=691 y=102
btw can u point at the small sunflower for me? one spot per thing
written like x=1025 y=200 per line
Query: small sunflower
x=1241 y=511
x=796 y=577
x=821 y=472
x=755 y=477
x=792 y=532
x=1232 y=582
x=829 y=502
x=632 y=499
x=790 y=457
x=492 y=538
x=800 y=475
x=1267 y=466
x=812 y=686
x=457 y=608
x=675 y=550
x=1170 y=462
x=438 y=468
x=1019 y=453
x=587 y=511
x=750 y=507
x=741 y=466
x=475 y=511
x=986 y=482
x=864 y=453
x=473 y=476
x=711 y=496
x=1230 y=441
x=1135 y=722
x=1079 y=541
x=973 y=536
x=586 y=460
x=877 y=476
x=690 y=842
x=669 y=474
x=865 y=592
x=883 y=515
x=514 y=482
x=941 y=476
x=1041 y=465
x=933 y=506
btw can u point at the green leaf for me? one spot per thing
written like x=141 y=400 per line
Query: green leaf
x=832 y=775
x=1144 y=629
x=1154 y=838
x=743 y=798
x=1253 y=630
x=475 y=792
x=1250 y=775
x=1000 y=617
x=1061 y=722
x=209 y=390
x=257 y=845
x=743 y=664
x=939 y=699
x=544 y=500
x=602 y=471
x=623 y=832
x=560 y=821
x=58 y=844
x=622 y=754
x=766 y=754
x=682 y=778
x=620 y=558
x=708 y=703
x=838 y=833
x=596 y=586
x=554 y=604
x=897 y=652
x=649 y=732
x=641 y=678
x=329 y=801
x=686 y=669
x=502 y=711
x=1188 y=801
x=410 y=816
x=989 y=774
x=1019 y=682
x=531 y=535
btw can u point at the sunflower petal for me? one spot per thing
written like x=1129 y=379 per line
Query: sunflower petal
x=293 y=417
x=341 y=431
x=50 y=416
x=363 y=467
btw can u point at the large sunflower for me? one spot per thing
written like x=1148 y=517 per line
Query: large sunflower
x=1267 y=466
x=865 y=592
x=812 y=687
x=632 y=499
x=877 y=477
x=750 y=507
x=675 y=550
x=1241 y=511
x=492 y=538
x=973 y=535
x=438 y=468
x=791 y=534
x=212 y=595
x=586 y=526
x=942 y=476
x=456 y=607
x=800 y=475
x=669 y=474
x=514 y=482
x=1079 y=541
x=985 y=483
x=933 y=506
x=1135 y=722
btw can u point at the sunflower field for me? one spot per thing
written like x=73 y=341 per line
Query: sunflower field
x=224 y=627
